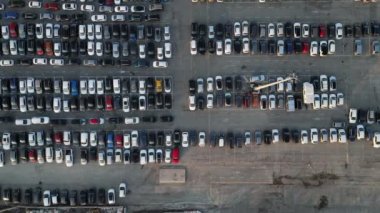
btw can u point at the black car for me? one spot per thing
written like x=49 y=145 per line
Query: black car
x=115 y=120
x=83 y=198
x=297 y=46
x=29 y=16
x=237 y=46
x=239 y=100
x=168 y=101
x=286 y=135
x=151 y=50
x=149 y=119
x=272 y=47
x=134 y=102
x=348 y=31
x=28 y=196
x=152 y=17
x=64 y=195
x=192 y=86
x=201 y=102
x=101 y=196
x=194 y=30
x=219 y=31
x=6 y=119
x=331 y=30
x=93 y=153
x=366 y=29
x=115 y=31
x=152 y=138
x=73 y=198
x=351 y=133
x=253 y=29
x=227 y=31
x=7 y=195
x=228 y=83
x=201 y=46
x=151 y=101
x=177 y=137
x=159 y=101
x=211 y=46
x=141 y=63
x=231 y=139
x=202 y=30
x=91 y=196
x=135 y=156
x=375 y=28
x=357 y=31
x=150 y=32
x=99 y=103
x=239 y=140
x=124 y=31
x=263 y=46
x=166 y=118
x=296 y=136
x=16 y=196
x=267 y=137
x=288 y=29
x=315 y=81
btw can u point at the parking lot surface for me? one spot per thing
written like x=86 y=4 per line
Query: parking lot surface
x=276 y=178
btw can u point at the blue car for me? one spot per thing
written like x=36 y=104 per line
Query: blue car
x=11 y=15
x=110 y=140
x=74 y=87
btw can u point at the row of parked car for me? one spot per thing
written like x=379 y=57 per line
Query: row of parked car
x=287 y=30
x=363 y=116
x=103 y=157
x=125 y=103
x=87 y=86
x=63 y=197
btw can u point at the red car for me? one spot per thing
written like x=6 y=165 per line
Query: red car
x=13 y=30
x=48 y=48
x=119 y=141
x=32 y=155
x=58 y=137
x=322 y=31
x=95 y=121
x=255 y=101
x=305 y=47
x=51 y=6
x=246 y=100
x=109 y=106
x=175 y=155
x=109 y=2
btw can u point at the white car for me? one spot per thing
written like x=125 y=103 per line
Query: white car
x=247 y=136
x=83 y=87
x=159 y=64
x=126 y=140
x=332 y=101
x=40 y=120
x=99 y=18
x=39 y=61
x=185 y=139
x=227 y=46
x=331 y=47
x=111 y=196
x=30 y=85
x=168 y=154
x=69 y=6
x=82 y=32
x=118 y=17
x=193 y=47
x=168 y=50
x=87 y=7
x=304 y=137
x=237 y=29
x=200 y=85
x=168 y=139
x=142 y=103
x=93 y=139
x=305 y=30
x=46 y=198
x=5 y=32
x=98 y=31
x=121 y=9
x=280 y=47
x=324 y=84
x=246 y=45
x=92 y=86
x=245 y=28
x=314 y=135
x=57 y=104
x=69 y=158
x=340 y=99
x=2 y=160
x=142 y=51
x=210 y=84
x=23 y=122
x=142 y=89
x=360 y=132
x=58 y=155
x=353 y=116
x=7 y=63
x=49 y=30
x=272 y=102
x=339 y=31
x=317 y=102
x=13 y=47
x=280 y=86
x=202 y=139
x=122 y=189
x=333 y=135
x=132 y=120
x=210 y=101
x=56 y=62
x=101 y=158
x=192 y=102
x=99 y=48
x=324 y=101
x=275 y=136
x=376 y=140
x=6 y=141
x=280 y=29
x=314 y=48
x=22 y=86
x=90 y=48
x=57 y=48
x=219 y=47
x=160 y=53
x=342 y=137
x=125 y=104
x=100 y=87
x=211 y=32
x=143 y=157
x=90 y=32
x=105 y=9
x=118 y=155
x=271 y=30
x=34 y=4
x=167 y=33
